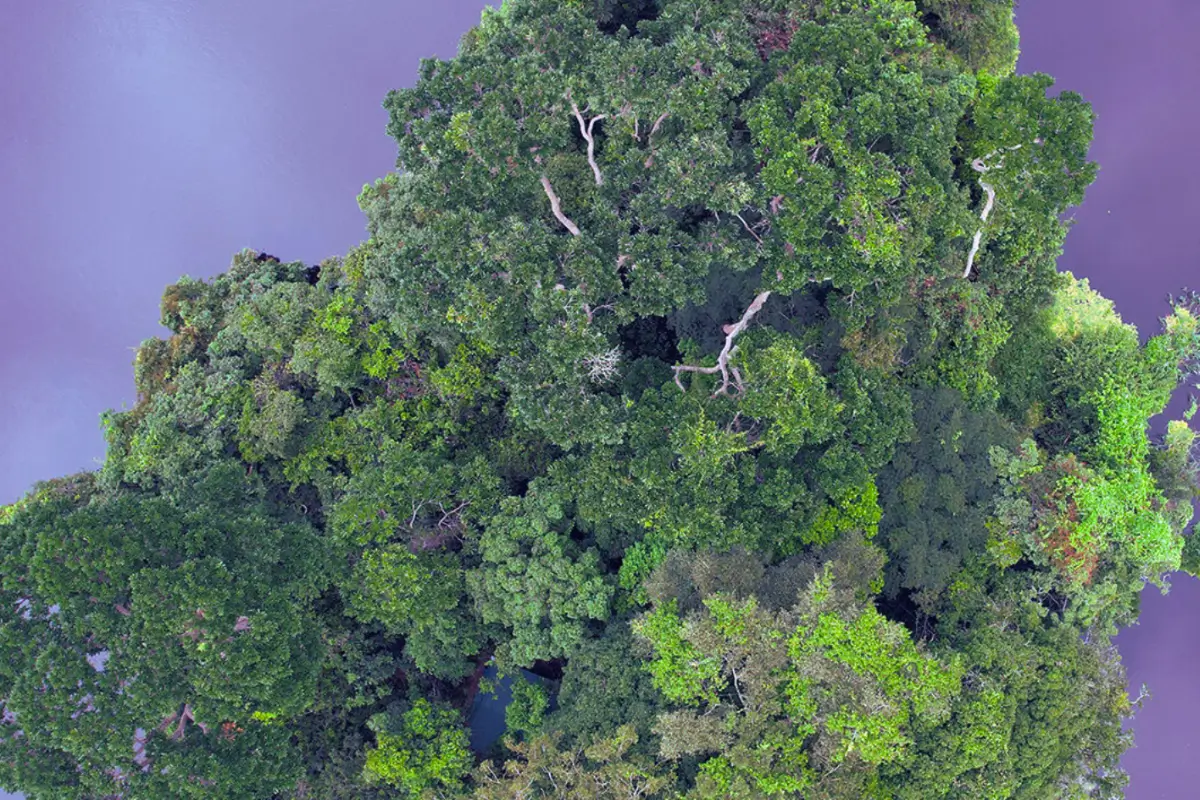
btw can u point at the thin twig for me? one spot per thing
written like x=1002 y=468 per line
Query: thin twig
x=650 y=139
x=749 y=230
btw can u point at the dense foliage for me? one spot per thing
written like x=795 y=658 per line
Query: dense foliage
x=707 y=358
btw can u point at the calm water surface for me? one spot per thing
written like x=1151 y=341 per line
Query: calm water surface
x=144 y=139
x=1136 y=240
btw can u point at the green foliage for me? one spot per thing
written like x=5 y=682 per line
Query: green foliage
x=527 y=711
x=605 y=770
x=789 y=697
x=790 y=392
x=418 y=596
x=428 y=750
x=535 y=580
x=681 y=672
x=604 y=687
x=937 y=495
x=882 y=559
x=204 y=607
x=854 y=137
x=980 y=31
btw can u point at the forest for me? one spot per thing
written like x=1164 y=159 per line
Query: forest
x=705 y=376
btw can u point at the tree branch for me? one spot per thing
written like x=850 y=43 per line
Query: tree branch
x=981 y=166
x=556 y=207
x=722 y=367
x=650 y=138
x=657 y=123
x=586 y=131
x=749 y=230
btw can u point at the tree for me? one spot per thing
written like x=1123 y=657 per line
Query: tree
x=604 y=687
x=980 y=31
x=535 y=580
x=707 y=357
x=200 y=611
x=426 y=749
x=418 y=596
x=606 y=770
x=937 y=495
x=862 y=198
x=782 y=701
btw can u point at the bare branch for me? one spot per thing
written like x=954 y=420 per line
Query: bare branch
x=749 y=230
x=602 y=366
x=556 y=207
x=722 y=367
x=586 y=131
x=657 y=123
x=452 y=512
x=981 y=166
x=590 y=312
x=416 y=508
x=737 y=685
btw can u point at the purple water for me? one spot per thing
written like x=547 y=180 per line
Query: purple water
x=1136 y=240
x=143 y=139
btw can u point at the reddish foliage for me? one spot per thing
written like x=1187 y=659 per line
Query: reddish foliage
x=1057 y=512
x=230 y=730
x=407 y=383
x=773 y=32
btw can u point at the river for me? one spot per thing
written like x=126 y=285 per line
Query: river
x=143 y=139
x=1136 y=240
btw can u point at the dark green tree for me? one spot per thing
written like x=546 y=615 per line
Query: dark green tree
x=708 y=358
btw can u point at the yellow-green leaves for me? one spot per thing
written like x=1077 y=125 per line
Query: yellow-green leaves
x=788 y=392
x=428 y=751
x=680 y=670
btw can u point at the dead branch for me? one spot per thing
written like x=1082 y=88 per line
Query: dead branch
x=749 y=230
x=452 y=512
x=590 y=312
x=981 y=166
x=183 y=716
x=657 y=123
x=416 y=508
x=556 y=207
x=586 y=131
x=722 y=367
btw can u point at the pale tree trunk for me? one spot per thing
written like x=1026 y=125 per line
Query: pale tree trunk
x=981 y=166
x=556 y=207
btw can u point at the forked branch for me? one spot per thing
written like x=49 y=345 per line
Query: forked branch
x=650 y=139
x=729 y=375
x=586 y=131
